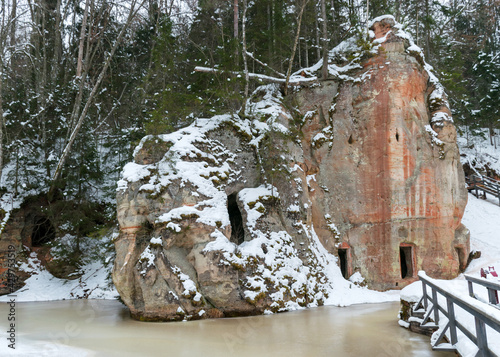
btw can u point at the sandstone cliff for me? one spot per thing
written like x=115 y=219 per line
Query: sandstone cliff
x=235 y=216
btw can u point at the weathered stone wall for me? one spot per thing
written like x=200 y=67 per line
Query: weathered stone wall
x=17 y=234
x=18 y=239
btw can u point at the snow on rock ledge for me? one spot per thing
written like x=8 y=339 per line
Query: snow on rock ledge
x=234 y=216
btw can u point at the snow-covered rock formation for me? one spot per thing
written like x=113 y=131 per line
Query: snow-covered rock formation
x=247 y=215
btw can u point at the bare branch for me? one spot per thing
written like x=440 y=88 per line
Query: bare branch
x=249 y=54
x=292 y=81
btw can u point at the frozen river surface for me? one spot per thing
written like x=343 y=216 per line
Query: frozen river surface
x=104 y=328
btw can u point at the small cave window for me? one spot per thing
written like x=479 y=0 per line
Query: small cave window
x=237 y=231
x=406 y=261
x=462 y=258
x=43 y=232
x=351 y=140
x=344 y=262
x=397 y=136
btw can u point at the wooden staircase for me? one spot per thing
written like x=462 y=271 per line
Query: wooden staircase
x=483 y=184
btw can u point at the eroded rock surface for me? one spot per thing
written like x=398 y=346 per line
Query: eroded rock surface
x=237 y=216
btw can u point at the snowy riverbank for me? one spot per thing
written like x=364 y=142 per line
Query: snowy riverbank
x=481 y=217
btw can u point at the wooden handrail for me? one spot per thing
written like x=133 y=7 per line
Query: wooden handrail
x=484 y=184
x=480 y=312
x=483 y=282
x=491 y=286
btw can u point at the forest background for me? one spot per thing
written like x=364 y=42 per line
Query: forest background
x=82 y=81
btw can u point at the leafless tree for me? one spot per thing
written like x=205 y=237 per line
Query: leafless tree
x=296 y=41
x=79 y=118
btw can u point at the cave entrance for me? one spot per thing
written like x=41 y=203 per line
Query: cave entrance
x=406 y=260
x=344 y=254
x=43 y=232
x=237 y=231
x=343 y=263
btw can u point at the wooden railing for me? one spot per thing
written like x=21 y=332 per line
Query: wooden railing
x=484 y=184
x=492 y=288
x=432 y=308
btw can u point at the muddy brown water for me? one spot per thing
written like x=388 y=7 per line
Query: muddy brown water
x=104 y=328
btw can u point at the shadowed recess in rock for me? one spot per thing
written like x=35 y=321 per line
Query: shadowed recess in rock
x=237 y=231
x=43 y=232
x=405 y=253
x=343 y=262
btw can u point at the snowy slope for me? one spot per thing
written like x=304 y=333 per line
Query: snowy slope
x=94 y=281
x=477 y=150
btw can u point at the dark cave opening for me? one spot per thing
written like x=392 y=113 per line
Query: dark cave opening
x=343 y=263
x=237 y=231
x=406 y=261
x=43 y=232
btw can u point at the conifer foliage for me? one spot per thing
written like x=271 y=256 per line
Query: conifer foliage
x=82 y=81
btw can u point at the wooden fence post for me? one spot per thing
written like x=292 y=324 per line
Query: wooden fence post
x=471 y=289
x=492 y=295
x=435 y=306
x=451 y=319
x=425 y=295
x=482 y=341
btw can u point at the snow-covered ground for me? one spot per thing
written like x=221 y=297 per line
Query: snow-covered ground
x=477 y=150
x=95 y=274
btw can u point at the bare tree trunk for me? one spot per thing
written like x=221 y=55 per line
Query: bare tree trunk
x=416 y=16
x=367 y=14
x=58 y=43
x=245 y=62
x=290 y=64
x=491 y=131
x=306 y=49
x=324 y=69
x=269 y=30
x=273 y=25
x=299 y=53
x=13 y=23
x=79 y=64
x=235 y=27
x=1 y=111
x=43 y=86
x=85 y=65
x=6 y=29
x=427 y=31
x=318 y=44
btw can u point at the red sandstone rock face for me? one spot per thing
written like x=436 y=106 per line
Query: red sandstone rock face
x=390 y=186
x=367 y=161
